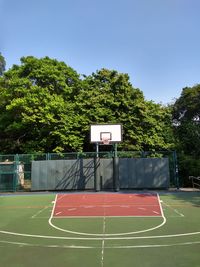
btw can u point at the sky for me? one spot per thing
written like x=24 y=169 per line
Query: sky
x=156 y=42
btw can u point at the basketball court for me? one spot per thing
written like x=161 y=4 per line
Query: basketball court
x=106 y=223
x=100 y=229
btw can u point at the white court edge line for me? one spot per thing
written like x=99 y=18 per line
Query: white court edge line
x=87 y=217
x=40 y=211
x=103 y=241
x=174 y=210
x=156 y=246
x=161 y=209
x=107 y=235
x=43 y=246
x=97 y=247
x=54 y=206
x=98 y=238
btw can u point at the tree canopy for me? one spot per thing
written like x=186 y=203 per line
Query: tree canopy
x=186 y=118
x=109 y=97
x=186 y=115
x=47 y=107
x=37 y=106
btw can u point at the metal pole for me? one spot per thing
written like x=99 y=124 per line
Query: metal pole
x=116 y=169
x=115 y=151
x=97 y=150
x=16 y=172
x=176 y=169
x=97 y=169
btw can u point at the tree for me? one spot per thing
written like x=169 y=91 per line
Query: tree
x=2 y=64
x=37 y=107
x=186 y=116
x=46 y=107
x=109 y=97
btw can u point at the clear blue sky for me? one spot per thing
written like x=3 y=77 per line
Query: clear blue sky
x=157 y=42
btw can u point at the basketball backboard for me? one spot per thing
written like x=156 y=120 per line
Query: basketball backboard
x=105 y=133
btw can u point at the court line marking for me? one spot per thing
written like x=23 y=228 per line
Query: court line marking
x=38 y=245
x=54 y=205
x=174 y=210
x=107 y=206
x=103 y=240
x=158 y=245
x=41 y=217
x=15 y=243
x=86 y=217
x=106 y=235
x=97 y=247
x=40 y=211
x=98 y=238
x=159 y=202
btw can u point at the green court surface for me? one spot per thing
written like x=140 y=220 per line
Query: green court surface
x=30 y=236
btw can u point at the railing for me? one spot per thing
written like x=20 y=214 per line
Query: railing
x=195 y=181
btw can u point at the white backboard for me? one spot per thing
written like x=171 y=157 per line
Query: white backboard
x=111 y=131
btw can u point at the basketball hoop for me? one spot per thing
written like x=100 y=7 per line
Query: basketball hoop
x=105 y=141
x=105 y=138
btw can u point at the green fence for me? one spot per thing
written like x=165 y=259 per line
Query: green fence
x=15 y=170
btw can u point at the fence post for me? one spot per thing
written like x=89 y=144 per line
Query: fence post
x=176 y=169
x=48 y=156
x=15 y=174
x=97 y=178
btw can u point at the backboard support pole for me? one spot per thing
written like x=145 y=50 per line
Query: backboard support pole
x=116 y=169
x=97 y=150
x=97 y=169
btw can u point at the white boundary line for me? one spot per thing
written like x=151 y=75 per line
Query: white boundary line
x=161 y=209
x=40 y=211
x=174 y=210
x=116 y=234
x=54 y=206
x=87 y=217
x=97 y=247
x=99 y=238
x=103 y=240
x=157 y=246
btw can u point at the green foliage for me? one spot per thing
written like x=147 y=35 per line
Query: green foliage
x=37 y=107
x=188 y=166
x=187 y=107
x=186 y=117
x=46 y=107
x=109 y=97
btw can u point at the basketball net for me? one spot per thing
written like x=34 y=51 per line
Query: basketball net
x=105 y=141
